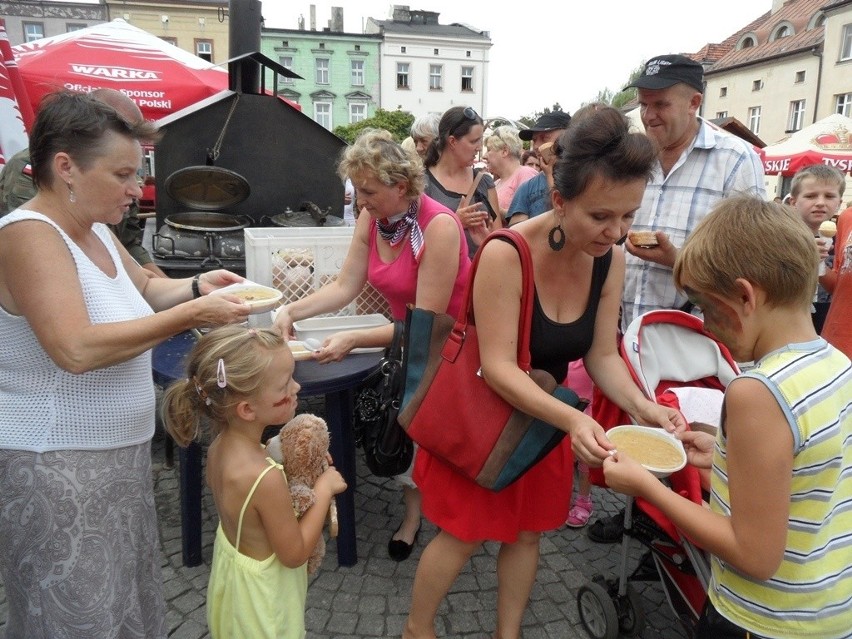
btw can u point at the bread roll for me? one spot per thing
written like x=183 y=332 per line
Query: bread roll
x=643 y=239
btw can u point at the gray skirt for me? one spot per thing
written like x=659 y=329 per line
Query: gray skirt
x=80 y=553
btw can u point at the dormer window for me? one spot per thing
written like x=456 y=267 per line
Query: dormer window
x=747 y=42
x=782 y=31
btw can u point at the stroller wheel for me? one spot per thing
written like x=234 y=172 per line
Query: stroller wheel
x=631 y=614
x=597 y=612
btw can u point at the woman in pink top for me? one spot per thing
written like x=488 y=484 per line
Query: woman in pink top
x=503 y=149
x=409 y=247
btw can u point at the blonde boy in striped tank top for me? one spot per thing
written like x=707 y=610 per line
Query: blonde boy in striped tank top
x=780 y=469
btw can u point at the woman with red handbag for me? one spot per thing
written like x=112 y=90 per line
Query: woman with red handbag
x=410 y=248
x=599 y=180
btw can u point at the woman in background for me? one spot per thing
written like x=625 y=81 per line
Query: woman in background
x=450 y=174
x=410 y=248
x=503 y=154
x=530 y=158
x=423 y=130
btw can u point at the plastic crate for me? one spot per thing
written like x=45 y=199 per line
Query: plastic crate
x=299 y=260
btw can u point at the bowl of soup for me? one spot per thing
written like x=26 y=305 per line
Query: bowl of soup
x=261 y=298
x=656 y=449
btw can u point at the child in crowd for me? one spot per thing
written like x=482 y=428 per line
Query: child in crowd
x=239 y=381
x=815 y=193
x=581 y=506
x=781 y=482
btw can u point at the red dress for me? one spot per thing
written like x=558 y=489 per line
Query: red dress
x=540 y=499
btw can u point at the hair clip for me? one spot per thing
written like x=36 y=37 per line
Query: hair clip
x=221 y=378
x=201 y=392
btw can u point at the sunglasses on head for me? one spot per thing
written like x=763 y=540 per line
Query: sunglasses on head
x=469 y=114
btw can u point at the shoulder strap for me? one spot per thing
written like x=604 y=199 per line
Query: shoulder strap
x=272 y=464
x=477 y=177
x=527 y=287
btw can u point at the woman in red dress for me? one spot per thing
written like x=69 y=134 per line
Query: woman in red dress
x=599 y=181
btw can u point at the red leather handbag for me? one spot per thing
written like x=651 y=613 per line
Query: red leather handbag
x=450 y=410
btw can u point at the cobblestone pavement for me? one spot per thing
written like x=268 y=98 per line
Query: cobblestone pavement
x=371 y=599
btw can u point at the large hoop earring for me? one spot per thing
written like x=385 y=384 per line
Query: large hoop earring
x=556 y=244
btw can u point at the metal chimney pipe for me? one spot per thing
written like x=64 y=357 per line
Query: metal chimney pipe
x=244 y=32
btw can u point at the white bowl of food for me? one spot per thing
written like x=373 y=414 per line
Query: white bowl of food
x=656 y=449
x=261 y=298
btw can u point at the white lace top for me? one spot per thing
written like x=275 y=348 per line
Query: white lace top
x=43 y=407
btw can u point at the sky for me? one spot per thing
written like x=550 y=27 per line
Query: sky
x=545 y=51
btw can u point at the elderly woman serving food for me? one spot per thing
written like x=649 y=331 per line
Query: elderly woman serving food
x=78 y=316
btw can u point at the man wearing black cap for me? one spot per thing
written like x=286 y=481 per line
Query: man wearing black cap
x=533 y=196
x=699 y=165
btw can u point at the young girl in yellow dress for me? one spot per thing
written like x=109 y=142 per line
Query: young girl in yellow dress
x=241 y=381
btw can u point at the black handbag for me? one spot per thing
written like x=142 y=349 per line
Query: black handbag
x=388 y=451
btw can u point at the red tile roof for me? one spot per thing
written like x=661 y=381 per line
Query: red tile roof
x=796 y=13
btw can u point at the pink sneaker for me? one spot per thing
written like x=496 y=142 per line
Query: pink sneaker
x=580 y=512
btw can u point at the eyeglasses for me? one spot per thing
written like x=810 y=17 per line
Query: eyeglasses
x=469 y=114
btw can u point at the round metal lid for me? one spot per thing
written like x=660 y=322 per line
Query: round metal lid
x=207 y=188
x=207 y=222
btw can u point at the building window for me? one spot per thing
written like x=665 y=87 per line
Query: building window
x=757 y=85
x=436 y=81
x=720 y=115
x=754 y=120
x=204 y=49
x=285 y=44
x=782 y=32
x=33 y=31
x=357 y=47
x=169 y=39
x=322 y=114
x=402 y=75
x=747 y=42
x=467 y=79
x=357 y=73
x=402 y=49
x=723 y=91
x=843 y=105
x=797 y=115
x=800 y=77
x=322 y=70
x=467 y=54
x=846 y=43
x=357 y=112
x=322 y=45
x=74 y=26
x=286 y=61
x=436 y=52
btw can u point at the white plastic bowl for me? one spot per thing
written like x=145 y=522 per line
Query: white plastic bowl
x=261 y=298
x=654 y=433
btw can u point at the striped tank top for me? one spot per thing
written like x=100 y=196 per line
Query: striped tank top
x=811 y=593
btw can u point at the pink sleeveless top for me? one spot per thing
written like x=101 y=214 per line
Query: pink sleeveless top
x=397 y=280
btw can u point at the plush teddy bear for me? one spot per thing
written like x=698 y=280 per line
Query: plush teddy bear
x=301 y=446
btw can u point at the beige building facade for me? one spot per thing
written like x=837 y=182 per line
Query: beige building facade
x=200 y=27
x=786 y=70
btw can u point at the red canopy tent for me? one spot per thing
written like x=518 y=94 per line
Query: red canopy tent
x=160 y=77
x=828 y=141
x=13 y=132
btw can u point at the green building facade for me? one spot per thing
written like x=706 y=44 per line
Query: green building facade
x=341 y=80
